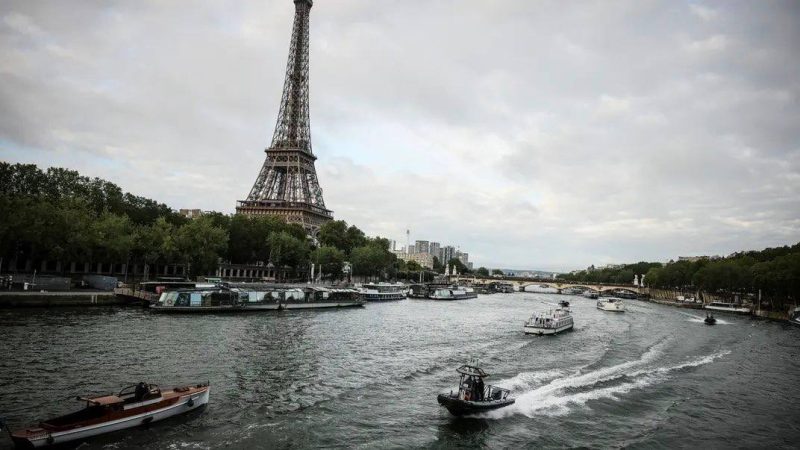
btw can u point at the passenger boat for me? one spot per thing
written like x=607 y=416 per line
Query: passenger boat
x=611 y=304
x=710 y=320
x=265 y=298
x=727 y=307
x=136 y=405
x=551 y=322
x=473 y=396
x=453 y=293
x=382 y=292
x=590 y=294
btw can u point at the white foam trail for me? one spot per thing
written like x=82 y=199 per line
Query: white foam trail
x=550 y=399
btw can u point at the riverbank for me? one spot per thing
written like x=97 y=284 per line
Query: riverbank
x=15 y=299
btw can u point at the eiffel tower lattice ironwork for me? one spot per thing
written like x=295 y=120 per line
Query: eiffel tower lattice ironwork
x=287 y=184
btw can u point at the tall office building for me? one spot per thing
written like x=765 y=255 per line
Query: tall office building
x=435 y=249
x=422 y=247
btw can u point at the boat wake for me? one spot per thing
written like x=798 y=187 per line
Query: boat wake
x=556 y=392
x=700 y=319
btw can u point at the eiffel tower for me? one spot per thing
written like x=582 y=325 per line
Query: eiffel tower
x=287 y=184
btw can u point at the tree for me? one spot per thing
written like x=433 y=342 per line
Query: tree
x=438 y=267
x=482 y=271
x=498 y=272
x=329 y=262
x=287 y=251
x=200 y=244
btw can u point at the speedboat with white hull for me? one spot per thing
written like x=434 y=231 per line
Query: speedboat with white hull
x=473 y=396
x=551 y=322
x=794 y=316
x=727 y=307
x=611 y=304
x=382 y=292
x=135 y=405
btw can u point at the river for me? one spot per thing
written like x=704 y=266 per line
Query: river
x=654 y=376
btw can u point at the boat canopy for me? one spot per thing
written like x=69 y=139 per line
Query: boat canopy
x=472 y=370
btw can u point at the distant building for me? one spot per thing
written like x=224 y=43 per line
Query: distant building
x=463 y=257
x=422 y=247
x=190 y=213
x=692 y=258
x=423 y=259
x=448 y=252
x=435 y=249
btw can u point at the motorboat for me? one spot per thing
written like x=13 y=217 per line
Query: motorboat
x=563 y=304
x=710 y=320
x=453 y=293
x=381 y=292
x=794 y=316
x=136 y=405
x=591 y=294
x=473 y=396
x=727 y=307
x=551 y=322
x=223 y=299
x=611 y=304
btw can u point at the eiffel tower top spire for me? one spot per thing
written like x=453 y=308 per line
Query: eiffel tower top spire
x=293 y=127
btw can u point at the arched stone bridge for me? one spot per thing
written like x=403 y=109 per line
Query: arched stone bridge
x=521 y=283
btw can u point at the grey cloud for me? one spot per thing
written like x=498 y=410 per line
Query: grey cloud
x=535 y=134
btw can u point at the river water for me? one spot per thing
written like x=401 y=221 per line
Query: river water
x=654 y=376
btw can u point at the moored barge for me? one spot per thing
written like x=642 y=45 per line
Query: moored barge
x=222 y=299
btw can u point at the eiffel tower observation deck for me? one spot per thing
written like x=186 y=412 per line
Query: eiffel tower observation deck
x=287 y=184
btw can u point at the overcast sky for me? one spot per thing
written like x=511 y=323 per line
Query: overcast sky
x=532 y=134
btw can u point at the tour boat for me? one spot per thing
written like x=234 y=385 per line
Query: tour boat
x=382 y=292
x=727 y=307
x=551 y=322
x=453 y=293
x=473 y=396
x=710 y=320
x=223 y=299
x=136 y=405
x=611 y=304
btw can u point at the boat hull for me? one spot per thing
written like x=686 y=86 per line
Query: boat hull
x=464 y=407
x=253 y=307
x=613 y=307
x=546 y=331
x=46 y=438
x=728 y=309
x=455 y=297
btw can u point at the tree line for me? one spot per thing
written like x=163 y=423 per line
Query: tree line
x=59 y=215
x=774 y=272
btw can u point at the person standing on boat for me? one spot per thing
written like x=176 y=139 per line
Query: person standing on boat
x=479 y=388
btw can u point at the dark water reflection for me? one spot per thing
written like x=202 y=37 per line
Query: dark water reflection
x=651 y=377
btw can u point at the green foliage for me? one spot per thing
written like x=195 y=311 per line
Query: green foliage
x=199 y=243
x=337 y=234
x=482 y=271
x=498 y=272
x=455 y=262
x=438 y=267
x=329 y=262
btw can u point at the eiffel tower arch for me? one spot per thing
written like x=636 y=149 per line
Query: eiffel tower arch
x=287 y=184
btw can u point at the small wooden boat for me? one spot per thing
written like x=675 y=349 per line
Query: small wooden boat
x=136 y=405
x=473 y=396
x=710 y=320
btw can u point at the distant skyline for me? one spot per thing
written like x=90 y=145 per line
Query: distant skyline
x=533 y=134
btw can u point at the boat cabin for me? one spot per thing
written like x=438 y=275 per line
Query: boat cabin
x=472 y=388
